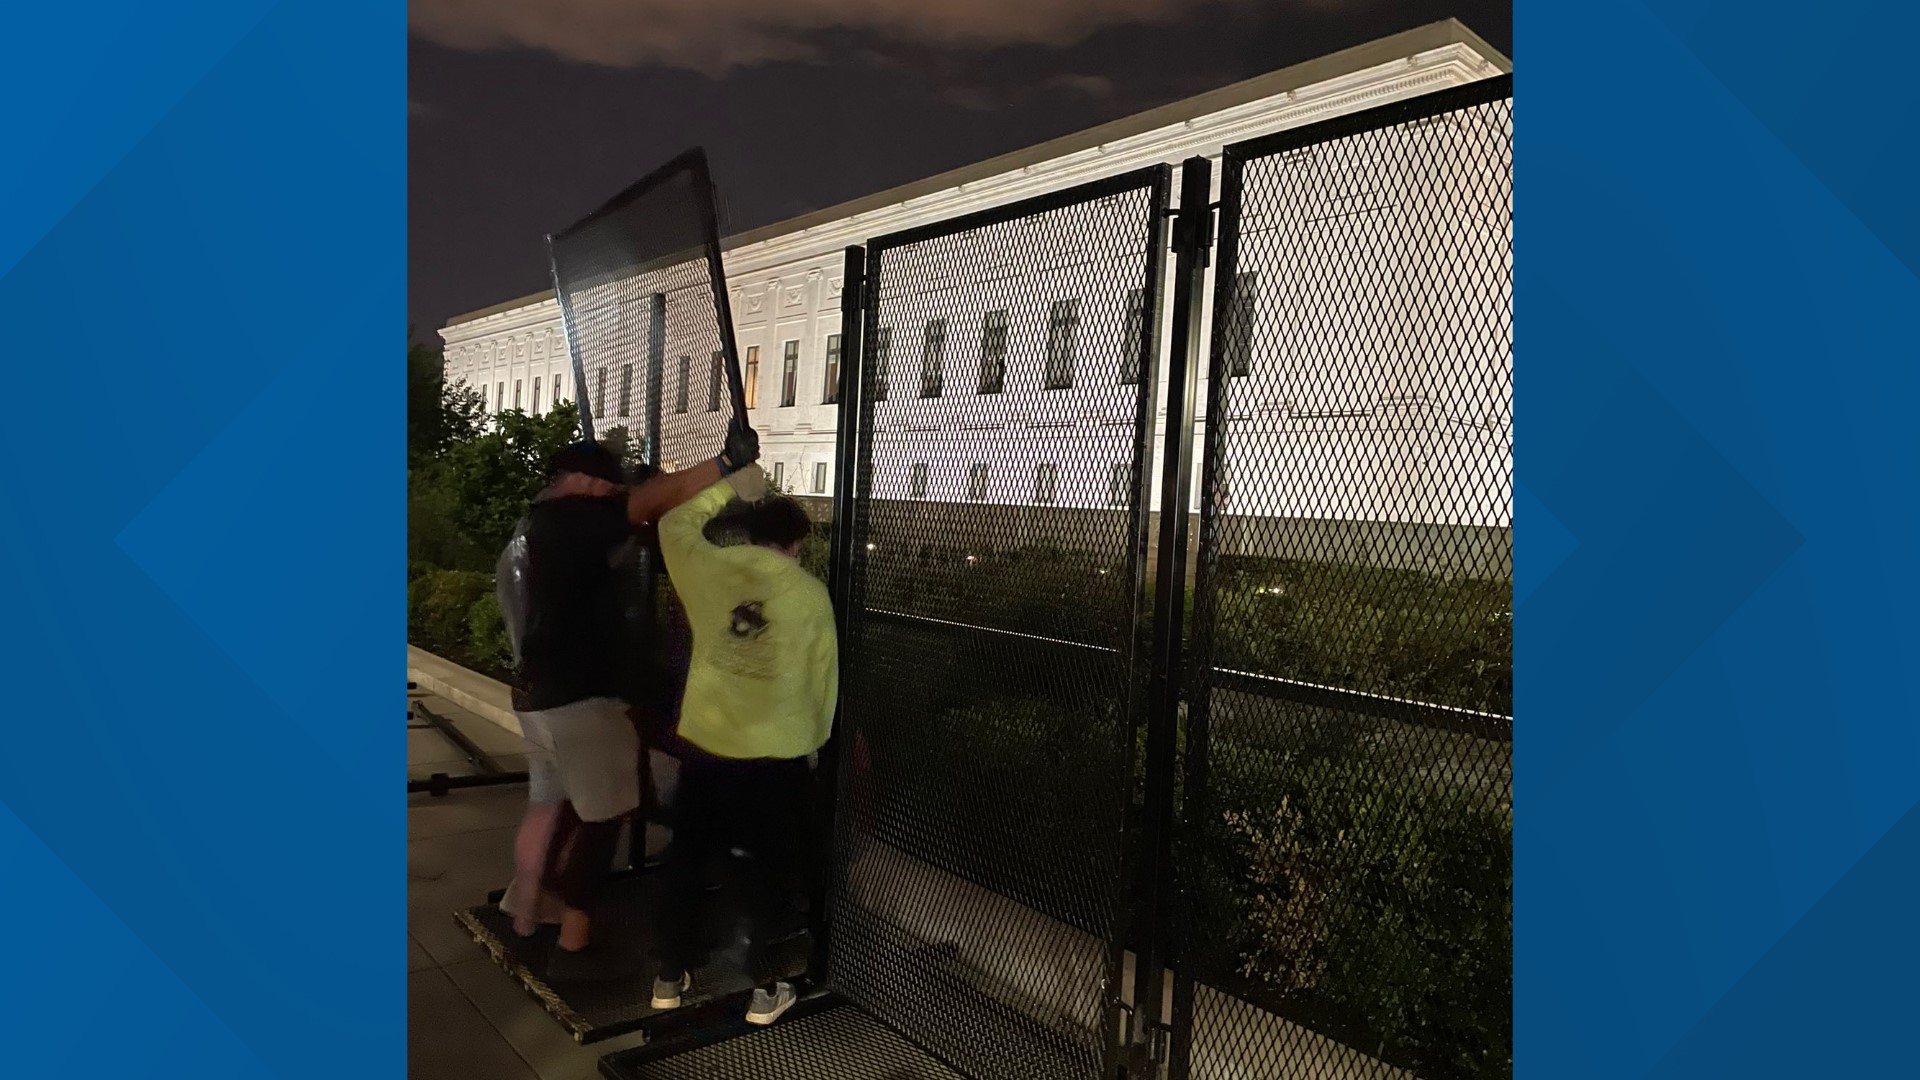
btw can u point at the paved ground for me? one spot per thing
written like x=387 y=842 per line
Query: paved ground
x=465 y=1019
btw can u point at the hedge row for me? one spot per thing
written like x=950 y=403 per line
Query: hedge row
x=1325 y=879
x=455 y=614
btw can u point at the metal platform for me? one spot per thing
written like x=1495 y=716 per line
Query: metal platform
x=826 y=1038
x=623 y=923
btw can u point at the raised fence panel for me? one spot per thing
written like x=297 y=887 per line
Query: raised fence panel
x=655 y=366
x=644 y=311
x=991 y=683
x=1344 y=842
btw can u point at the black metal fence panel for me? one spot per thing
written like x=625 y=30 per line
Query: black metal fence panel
x=644 y=305
x=1345 y=822
x=656 y=372
x=991 y=679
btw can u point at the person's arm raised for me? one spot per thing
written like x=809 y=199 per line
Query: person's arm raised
x=651 y=501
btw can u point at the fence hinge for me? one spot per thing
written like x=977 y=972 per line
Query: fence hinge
x=1147 y=1060
x=1194 y=233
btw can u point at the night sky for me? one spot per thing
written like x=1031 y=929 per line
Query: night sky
x=524 y=116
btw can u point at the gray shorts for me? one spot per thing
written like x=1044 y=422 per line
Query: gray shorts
x=586 y=753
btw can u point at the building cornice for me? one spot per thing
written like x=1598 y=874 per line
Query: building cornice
x=1404 y=65
x=1452 y=65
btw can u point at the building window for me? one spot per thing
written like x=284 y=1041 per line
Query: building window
x=1119 y=481
x=1136 y=337
x=1063 y=332
x=516 y=394
x=779 y=475
x=686 y=376
x=536 y=395
x=559 y=395
x=626 y=390
x=933 y=359
x=500 y=398
x=790 y=375
x=752 y=376
x=819 y=478
x=599 y=402
x=977 y=482
x=715 y=380
x=1046 y=485
x=993 y=353
x=918 y=489
x=882 y=361
x=1236 y=336
x=831 y=396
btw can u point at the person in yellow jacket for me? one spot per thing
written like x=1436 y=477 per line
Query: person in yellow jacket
x=759 y=702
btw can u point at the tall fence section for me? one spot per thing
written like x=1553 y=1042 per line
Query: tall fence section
x=649 y=332
x=645 y=309
x=1125 y=790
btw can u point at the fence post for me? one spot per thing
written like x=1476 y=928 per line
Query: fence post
x=717 y=278
x=656 y=374
x=840 y=564
x=573 y=349
x=1192 y=237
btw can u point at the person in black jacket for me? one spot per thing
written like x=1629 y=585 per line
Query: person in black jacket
x=576 y=688
x=589 y=679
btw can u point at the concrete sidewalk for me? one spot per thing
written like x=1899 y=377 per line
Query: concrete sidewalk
x=466 y=1020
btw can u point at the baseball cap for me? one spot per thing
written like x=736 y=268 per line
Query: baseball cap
x=592 y=459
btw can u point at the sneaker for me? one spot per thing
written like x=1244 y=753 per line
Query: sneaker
x=666 y=992
x=769 y=1006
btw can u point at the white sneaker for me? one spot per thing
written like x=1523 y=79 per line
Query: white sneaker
x=770 y=1006
x=666 y=994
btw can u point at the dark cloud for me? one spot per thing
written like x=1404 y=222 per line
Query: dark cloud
x=712 y=36
x=1093 y=86
x=971 y=98
x=518 y=141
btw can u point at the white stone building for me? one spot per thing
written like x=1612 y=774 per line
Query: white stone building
x=785 y=290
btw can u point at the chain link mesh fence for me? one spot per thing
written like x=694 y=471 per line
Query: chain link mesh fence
x=991 y=680
x=1345 y=847
x=1342 y=842
x=644 y=305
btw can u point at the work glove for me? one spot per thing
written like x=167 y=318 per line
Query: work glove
x=742 y=447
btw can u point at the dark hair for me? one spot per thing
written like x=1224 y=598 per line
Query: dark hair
x=591 y=458
x=775 y=520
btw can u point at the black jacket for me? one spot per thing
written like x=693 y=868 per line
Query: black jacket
x=577 y=643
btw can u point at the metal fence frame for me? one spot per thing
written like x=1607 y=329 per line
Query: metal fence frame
x=1150 y=1020
x=1200 y=678
x=854 y=485
x=692 y=163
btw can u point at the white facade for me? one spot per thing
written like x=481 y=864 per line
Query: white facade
x=785 y=286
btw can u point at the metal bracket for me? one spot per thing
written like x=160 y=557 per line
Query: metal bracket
x=1194 y=233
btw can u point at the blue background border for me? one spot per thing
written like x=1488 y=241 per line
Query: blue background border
x=203 y=241
x=202 y=277
x=1718 y=320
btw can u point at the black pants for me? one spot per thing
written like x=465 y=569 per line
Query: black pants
x=760 y=807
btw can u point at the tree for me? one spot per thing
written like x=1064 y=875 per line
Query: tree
x=488 y=480
x=438 y=415
x=622 y=443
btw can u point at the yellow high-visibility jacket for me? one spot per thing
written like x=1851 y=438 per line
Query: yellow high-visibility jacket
x=765 y=669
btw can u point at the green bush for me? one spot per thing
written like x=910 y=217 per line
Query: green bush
x=1405 y=633
x=489 y=648
x=1338 y=878
x=1323 y=869
x=439 y=610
